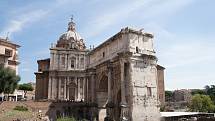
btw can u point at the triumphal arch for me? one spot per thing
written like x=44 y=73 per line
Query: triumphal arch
x=115 y=81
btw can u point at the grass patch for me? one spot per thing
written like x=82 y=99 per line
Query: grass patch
x=10 y=113
x=66 y=119
x=14 y=114
x=69 y=119
x=21 y=108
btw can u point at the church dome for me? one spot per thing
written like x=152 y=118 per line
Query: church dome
x=71 y=39
x=71 y=35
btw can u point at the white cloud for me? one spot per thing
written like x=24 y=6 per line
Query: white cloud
x=187 y=53
x=144 y=8
x=187 y=59
x=26 y=16
x=18 y=23
x=188 y=64
x=115 y=15
x=175 y=51
x=165 y=8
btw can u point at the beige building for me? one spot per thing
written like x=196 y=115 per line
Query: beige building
x=116 y=80
x=9 y=58
x=9 y=54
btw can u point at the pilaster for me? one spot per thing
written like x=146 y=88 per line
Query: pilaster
x=93 y=87
x=54 y=88
x=123 y=103
x=64 y=88
x=59 y=88
x=109 y=104
x=50 y=88
x=84 y=88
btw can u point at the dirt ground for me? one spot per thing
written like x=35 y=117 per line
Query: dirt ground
x=36 y=111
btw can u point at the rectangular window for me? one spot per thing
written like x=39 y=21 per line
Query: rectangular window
x=149 y=91
x=8 y=52
x=103 y=54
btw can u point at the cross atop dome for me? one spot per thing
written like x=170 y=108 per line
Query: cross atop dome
x=71 y=18
x=71 y=25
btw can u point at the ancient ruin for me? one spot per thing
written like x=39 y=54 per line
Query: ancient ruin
x=117 y=80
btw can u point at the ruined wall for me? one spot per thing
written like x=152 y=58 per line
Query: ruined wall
x=108 y=50
x=141 y=43
x=161 y=87
x=42 y=79
x=41 y=91
x=133 y=78
x=145 y=105
x=145 y=102
x=43 y=65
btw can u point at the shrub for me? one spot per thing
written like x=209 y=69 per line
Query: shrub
x=201 y=103
x=162 y=108
x=21 y=108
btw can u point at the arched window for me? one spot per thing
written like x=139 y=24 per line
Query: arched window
x=73 y=62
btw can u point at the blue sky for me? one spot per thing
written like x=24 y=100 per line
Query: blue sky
x=184 y=31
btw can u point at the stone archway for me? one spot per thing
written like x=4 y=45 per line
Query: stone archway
x=102 y=96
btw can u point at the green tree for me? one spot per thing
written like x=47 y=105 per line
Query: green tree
x=25 y=87
x=210 y=90
x=198 y=91
x=168 y=96
x=8 y=80
x=201 y=103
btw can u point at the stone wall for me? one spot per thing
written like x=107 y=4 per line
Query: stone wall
x=108 y=50
x=134 y=90
x=161 y=85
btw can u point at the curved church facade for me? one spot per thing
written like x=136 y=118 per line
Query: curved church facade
x=118 y=80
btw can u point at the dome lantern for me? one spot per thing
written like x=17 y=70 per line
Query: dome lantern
x=71 y=25
x=71 y=39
